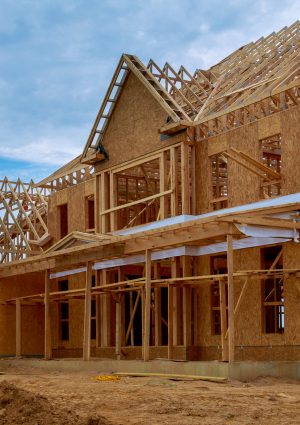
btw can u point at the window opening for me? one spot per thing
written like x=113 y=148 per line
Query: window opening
x=271 y=157
x=218 y=266
x=90 y=213
x=63 y=220
x=63 y=285
x=93 y=312
x=219 y=176
x=272 y=293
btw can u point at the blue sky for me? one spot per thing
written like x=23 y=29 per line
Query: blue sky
x=57 y=58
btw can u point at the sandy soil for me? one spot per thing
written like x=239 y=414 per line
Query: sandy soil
x=82 y=399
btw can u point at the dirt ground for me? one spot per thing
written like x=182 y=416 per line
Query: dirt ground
x=32 y=396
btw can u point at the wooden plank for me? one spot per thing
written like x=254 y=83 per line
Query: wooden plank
x=18 y=328
x=185 y=179
x=118 y=326
x=132 y=316
x=224 y=325
x=157 y=308
x=174 y=180
x=193 y=180
x=187 y=303
x=163 y=211
x=113 y=202
x=87 y=313
x=131 y=307
x=231 y=339
x=147 y=318
x=172 y=376
x=177 y=303
x=48 y=339
x=98 y=310
x=241 y=296
x=98 y=227
x=170 y=322
x=138 y=201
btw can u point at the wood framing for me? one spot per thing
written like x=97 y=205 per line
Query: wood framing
x=175 y=234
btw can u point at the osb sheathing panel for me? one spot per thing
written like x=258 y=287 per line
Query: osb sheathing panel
x=248 y=321
x=249 y=316
x=75 y=197
x=203 y=177
x=290 y=131
x=204 y=325
x=218 y=143
x=32 y=317
x=291 y=259
x=243 y=186
x=76 y=317
x=269 y=126
x=134 y=125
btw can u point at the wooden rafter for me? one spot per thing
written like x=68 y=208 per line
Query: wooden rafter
x=128 y=63
x=23 y=221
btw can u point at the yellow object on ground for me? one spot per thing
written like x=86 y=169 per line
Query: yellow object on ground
x=107 y=378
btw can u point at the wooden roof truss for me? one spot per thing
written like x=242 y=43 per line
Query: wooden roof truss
x=257 y=80
x=23 y=220
x=72 y=173
x=175 y=106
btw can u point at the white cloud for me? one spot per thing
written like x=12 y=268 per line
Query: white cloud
x=57 y=58
x=51 y=147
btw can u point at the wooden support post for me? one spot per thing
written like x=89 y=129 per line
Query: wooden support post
x=18 y=328
x=187 y=304
x=143 y=318
x=98 y=310
x=131 y=315
x=170 y=321
x=147 y=318
x=174 y=180
x=195 y=297
x=48 y=341
x=163 y=211
x=193 y=180
x=118 y=326
x=104 y=202
x=98 y=224
x=177 y=304
x=231 y=342
x=105 y=312
x=113 y=202
x=87 y=313
x=157 y=308
x=185 y=178
x=222 y=290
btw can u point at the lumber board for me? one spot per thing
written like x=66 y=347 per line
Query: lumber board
x=216 y=379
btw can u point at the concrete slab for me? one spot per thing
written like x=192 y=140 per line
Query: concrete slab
x=241 y=371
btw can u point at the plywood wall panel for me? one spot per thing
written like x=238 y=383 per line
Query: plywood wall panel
x=290 y=131
x=291 y=259
x=133 y=128
x=203 y=177
x=248 y=321
x=75 y=197
x=243 y=186
x=32 y=316
x=269 y=126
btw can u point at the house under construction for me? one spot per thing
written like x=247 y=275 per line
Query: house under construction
x=176 y=233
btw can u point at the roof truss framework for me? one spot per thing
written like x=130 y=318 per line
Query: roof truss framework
x=23 y=220
x=258 y=79
x=70 y=174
